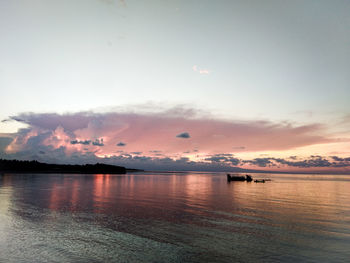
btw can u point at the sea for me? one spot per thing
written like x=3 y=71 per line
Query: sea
x=174 y=217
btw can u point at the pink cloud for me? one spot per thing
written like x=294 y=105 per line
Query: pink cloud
x=199 y=70
x=168 y=140
x=146 y=132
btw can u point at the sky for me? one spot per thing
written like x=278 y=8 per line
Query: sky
x=177 y=85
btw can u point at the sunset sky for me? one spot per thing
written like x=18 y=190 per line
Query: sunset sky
x=177 y=85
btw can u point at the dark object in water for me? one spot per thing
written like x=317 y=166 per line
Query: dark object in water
x=247 y=178
x=259 y=181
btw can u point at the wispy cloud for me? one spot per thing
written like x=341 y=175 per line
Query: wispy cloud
x=200 y=70
x=111 y=2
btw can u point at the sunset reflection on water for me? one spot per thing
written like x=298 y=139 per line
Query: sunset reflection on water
x=292 y=217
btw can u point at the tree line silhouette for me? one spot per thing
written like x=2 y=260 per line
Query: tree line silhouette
x=38 y=167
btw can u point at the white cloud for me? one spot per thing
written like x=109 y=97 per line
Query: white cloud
x=200 y=70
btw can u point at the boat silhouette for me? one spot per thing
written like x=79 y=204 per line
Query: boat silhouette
x=246 y=178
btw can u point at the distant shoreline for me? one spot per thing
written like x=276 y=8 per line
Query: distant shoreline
x=16 y=166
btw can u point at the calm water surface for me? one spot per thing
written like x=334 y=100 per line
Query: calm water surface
x=190 y=217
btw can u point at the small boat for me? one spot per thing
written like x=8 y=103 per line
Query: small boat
x=247 y=178
x=259 y=181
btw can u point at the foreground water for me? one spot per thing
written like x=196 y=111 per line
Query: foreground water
x=189 y=217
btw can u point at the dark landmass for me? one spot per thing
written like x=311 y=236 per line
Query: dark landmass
x=17 y=166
